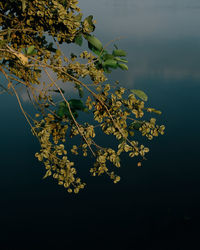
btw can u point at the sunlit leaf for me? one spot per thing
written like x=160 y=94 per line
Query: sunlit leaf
x=154 y=111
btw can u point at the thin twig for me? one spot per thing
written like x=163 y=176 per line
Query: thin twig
x=77 y=125
x=45 y=65
x=20 y=105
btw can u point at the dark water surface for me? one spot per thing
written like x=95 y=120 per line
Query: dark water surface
x=154 y=207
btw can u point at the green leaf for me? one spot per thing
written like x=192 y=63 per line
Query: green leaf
x=135 y=125
x=106 y=70
x=140 y=94
x=110 y=63
x=30 y=50
x=80 y=92
x=119 y=52
x=94 y=42
x=120 y=60
x=62 y=109
x=76 y=104
x=62 y=104
x=107 y=56
x=79 y=39
x=93 y=49
x=123 y=66
x=61 y=112
x=86 y=110
x=23 y=50
x=74 y=113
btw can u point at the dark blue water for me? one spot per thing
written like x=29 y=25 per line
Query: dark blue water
x=154 y=207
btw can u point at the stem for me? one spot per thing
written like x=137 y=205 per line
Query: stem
x=68 y=105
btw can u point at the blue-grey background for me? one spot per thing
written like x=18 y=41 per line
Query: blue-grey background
x=154 y=207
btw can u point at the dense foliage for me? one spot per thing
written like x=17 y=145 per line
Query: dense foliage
x=30 y=37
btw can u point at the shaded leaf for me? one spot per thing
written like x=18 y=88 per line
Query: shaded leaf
x=94 y=42
x=86 y=110
x=76 y=104
x=123 y=66
x=23 y=50
x=135 y=125
x=80 y=92
x=106 y=70
x=119 y=52
x=93 y=49
x=79 y=39
x=110 y=63
x=62 y=109
x=120 y=60
x=108 y=56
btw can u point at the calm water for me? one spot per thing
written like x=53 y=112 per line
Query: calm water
x=154 y=207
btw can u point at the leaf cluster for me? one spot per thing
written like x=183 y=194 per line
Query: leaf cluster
x=30 y=37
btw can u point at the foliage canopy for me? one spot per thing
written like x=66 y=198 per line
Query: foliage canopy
x=30 y=37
